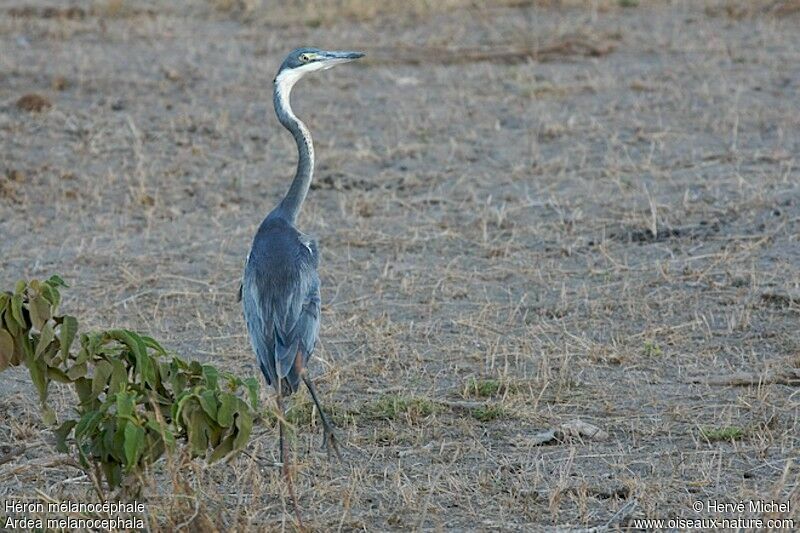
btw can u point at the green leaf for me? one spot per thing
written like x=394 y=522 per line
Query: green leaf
x=50 y=294
x=227 y=406
x=16 y=311
x=180 y=403
x=77 y=371
x=119 y=377
x=162 y=429
x=11 y=324
x=102 y=371
x=178 y=382
x=153 y=344
x=125 y=403
x=214 y=433
x=47 y=336
x=26 y=349
x=38 y=372
x=153 y=423
x=208 y=401
x=4 y=299
x=144 y=363
x=154 y=447
x=106 y=436
x=56 y=281
x=19 y=288
x=56 y=374
x=244 y=425
x=39 y=309
x=196 y=368
x=83 y=387
x=6 y=349
x=83 y=355
x=223 y=448
x=112 y=473
x=69 y=327
x=48 y=415
x=50 y=354
x=117 y=448
x=87 y=424
x=252 y=389
x=134 y=444
x=198 y=438
x=62 y=432
x=211 y=376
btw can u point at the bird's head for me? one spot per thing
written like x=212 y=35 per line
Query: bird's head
x=301 y=61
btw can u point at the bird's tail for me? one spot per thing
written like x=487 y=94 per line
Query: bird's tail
x=286 y=365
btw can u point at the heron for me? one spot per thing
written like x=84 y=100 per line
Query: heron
x=280 y=289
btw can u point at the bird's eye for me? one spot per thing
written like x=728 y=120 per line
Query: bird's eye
x=304 y=58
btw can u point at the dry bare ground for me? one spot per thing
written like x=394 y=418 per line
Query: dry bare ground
x=529 y=213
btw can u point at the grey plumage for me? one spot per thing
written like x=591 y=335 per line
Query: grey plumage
x=280 y=289
x=281 y=300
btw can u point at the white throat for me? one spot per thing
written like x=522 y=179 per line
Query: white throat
x=286 y=79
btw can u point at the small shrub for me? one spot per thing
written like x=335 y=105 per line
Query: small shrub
x=390 y=406
x=33 y=103
x=651 y=349
x=487 y=413
x=485 y=388
x=135 y=401
x=727 y=433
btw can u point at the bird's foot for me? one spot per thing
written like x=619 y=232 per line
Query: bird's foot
x=330 y=442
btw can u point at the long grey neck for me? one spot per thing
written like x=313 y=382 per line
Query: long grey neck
x=291 y=203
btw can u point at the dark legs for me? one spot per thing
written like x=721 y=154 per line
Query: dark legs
x=328 y=442
x=329 y=437
x=284 y=451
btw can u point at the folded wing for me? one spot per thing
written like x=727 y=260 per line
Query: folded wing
x=283 y=321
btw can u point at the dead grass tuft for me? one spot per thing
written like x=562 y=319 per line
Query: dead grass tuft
x=739 y=9
x=33 y=103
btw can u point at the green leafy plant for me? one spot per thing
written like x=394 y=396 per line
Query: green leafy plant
x=651 y=349
x=487 y=412
x=391 y=406
x=135 y=401
x=727 y=433
x=488 y=387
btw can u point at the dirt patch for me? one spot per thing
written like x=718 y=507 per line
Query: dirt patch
x=703 y=230
x=739 y=10
x=341 y=182
x=110 y=8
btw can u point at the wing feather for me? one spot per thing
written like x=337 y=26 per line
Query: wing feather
x=283 y=319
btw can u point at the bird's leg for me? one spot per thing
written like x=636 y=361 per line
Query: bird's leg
x=284 y=451
x=281 y=436
x=329 y=437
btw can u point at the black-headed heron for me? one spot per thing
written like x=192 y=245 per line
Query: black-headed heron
x=280 y=287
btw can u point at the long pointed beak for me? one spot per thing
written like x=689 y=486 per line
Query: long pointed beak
x=330 y=59
x=347 y=56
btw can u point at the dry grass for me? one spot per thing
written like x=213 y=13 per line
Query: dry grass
x=34 y=103
x=738 y=9
x=508 y=245
x=316 y=13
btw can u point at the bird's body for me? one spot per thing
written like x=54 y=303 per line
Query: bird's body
x=281 y=301
x=280 y=289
